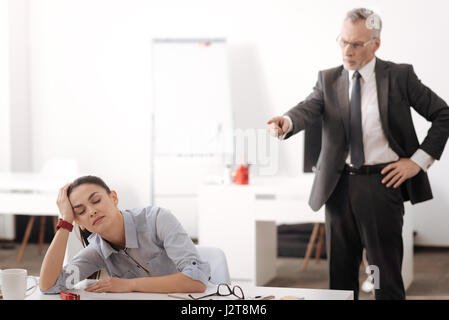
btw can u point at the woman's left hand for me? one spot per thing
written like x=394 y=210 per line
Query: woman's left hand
x=111 y=285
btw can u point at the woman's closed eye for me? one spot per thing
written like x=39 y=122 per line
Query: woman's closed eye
x=84 y=210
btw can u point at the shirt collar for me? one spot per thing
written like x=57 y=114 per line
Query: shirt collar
x=130 y=236
x=367 y=70
x=130 y=230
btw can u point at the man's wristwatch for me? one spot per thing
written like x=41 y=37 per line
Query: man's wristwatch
x=65 y=225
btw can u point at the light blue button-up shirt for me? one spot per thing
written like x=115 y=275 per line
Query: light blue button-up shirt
x=156 y=245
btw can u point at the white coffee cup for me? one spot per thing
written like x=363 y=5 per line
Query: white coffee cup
x=14 y=284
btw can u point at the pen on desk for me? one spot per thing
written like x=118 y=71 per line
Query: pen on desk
x=265 y=298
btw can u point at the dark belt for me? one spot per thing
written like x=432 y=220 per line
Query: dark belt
x=374 y=169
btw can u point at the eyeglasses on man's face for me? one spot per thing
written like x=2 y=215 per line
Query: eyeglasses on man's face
x=354 y=45
x=224 y=290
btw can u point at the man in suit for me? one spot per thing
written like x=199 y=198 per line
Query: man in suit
x=370 y=160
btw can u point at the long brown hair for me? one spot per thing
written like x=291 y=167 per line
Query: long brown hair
x=86 y=233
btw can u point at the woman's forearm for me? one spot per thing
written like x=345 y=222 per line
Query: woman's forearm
x=177 y=282
x=54 y=257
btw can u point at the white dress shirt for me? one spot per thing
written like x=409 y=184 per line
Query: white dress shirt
x=375 y=145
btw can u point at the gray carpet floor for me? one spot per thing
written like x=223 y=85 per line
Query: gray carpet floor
x=431 y=275
x=431 y=271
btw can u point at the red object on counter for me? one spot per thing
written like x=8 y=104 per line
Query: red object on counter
x=66 y=295
x=242 y=175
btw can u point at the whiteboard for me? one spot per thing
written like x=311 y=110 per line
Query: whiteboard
x=191 y=97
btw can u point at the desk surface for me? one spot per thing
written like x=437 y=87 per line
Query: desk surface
x=249 y=290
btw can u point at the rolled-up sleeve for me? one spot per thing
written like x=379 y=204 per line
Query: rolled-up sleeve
x=180 y=248
x=84 y=264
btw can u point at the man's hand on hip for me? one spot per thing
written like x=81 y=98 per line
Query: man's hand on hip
x=278 y=126
x=399 y=171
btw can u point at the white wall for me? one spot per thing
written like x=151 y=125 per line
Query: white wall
x=15 y=148
x=4 y=88
x=5 y=150
x=90 y=75
x=20 y=121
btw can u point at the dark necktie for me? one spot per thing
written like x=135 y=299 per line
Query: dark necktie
x=357 y=155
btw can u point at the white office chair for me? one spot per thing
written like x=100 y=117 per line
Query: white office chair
x=214 y=256
x=74 y=244
x=218 y=265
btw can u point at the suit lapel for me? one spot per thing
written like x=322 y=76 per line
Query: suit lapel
x=342 y=91
x=382 y=83
x=341 y=86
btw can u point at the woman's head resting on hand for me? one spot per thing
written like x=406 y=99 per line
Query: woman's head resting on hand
x=94 y=204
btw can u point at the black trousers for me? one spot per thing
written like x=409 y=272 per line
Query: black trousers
x=363 y=213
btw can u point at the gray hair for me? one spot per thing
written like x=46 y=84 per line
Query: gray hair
x=372 y=19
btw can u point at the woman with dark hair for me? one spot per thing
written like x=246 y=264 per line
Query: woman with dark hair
x=142 y=249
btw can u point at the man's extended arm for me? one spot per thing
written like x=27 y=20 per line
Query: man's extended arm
x=308 y=111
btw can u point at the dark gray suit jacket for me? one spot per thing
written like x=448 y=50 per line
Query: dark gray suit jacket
x=398 y=89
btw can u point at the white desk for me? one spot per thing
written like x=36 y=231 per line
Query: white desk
x=241 y=220
x=250 y=291
x=29 y=193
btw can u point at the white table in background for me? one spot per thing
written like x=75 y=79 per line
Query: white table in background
x=242 y=220
x=33 y=194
